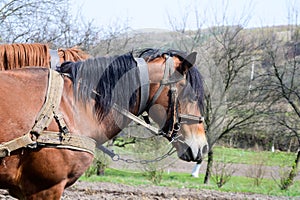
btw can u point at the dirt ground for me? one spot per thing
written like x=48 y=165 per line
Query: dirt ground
x=110 y=191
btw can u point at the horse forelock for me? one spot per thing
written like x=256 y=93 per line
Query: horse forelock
x=107 y=80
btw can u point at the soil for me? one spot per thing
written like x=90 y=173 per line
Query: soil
x=111 y=191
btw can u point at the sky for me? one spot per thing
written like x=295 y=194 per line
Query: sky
x=140 y=14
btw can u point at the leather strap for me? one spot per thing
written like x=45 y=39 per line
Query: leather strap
x=49 y=111
x=12 y=145
x=51 y=104
x=131 y=116
x=144 y=81
x=165 y=81
x=68 y=141
x=55 y=61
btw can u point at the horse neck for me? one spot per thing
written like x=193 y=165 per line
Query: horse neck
x=112 y=123
x=85 y=122
x=80 y=118
x=103 y=130
x=156 y=70
x=156 y=73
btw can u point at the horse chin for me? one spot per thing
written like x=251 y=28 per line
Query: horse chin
x=189 y=154
x=185 y=153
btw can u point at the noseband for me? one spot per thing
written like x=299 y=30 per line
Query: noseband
x=173 y=124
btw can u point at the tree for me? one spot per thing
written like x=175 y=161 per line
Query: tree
x=227 y=54
x=229 y=103
x=282 y=57
x=114 y=39
x=45 y=21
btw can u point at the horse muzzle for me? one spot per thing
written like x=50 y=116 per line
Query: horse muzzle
x=188 y=153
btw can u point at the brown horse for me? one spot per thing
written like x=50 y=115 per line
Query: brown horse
x=45 y=147
x=14 y=56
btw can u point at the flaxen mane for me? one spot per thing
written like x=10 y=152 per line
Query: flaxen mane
x=73 y=54
x=14 y=56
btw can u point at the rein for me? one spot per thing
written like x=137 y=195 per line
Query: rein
x=169 y=79
x=116 y=157
x=37 y=137
x=176 y=120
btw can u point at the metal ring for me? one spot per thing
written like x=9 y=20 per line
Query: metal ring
x=116 y=157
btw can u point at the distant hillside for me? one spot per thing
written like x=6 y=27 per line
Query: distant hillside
x=162 y=38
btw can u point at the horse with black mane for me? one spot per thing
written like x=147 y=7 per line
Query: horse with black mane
x=51 y=122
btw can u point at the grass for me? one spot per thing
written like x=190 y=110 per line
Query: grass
x=235 y=184
x=184 y=180
x=250 y=157
x=241 y=156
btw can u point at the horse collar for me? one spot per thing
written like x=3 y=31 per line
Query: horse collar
x=144 y=82
x=54 y=62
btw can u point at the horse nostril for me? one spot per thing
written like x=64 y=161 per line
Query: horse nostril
x=204 y=149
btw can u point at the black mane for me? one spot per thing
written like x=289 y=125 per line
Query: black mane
x=106 y=80
x=109 y=80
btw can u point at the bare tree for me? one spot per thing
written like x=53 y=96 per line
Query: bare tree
x=114 y=39
x=282 y=55
x=44 y=21
x=231 y=50
x=227 y=56
x=184 y=38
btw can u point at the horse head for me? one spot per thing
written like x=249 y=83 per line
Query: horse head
x=176 y=101
x=166 y=85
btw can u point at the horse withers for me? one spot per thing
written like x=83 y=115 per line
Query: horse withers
x=45 y=147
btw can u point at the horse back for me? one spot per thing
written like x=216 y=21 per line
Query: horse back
x=22 y=94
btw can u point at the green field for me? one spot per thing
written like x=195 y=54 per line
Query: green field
x=252 y=157
x=221 y=154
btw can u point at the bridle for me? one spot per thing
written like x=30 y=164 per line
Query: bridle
x=173 y=124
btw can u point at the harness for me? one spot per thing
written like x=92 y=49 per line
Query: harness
x=174 y=124
x=170 y=131
x=55 y=61
x=38 y=137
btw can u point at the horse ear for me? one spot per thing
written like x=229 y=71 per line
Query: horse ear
x=189 y=61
